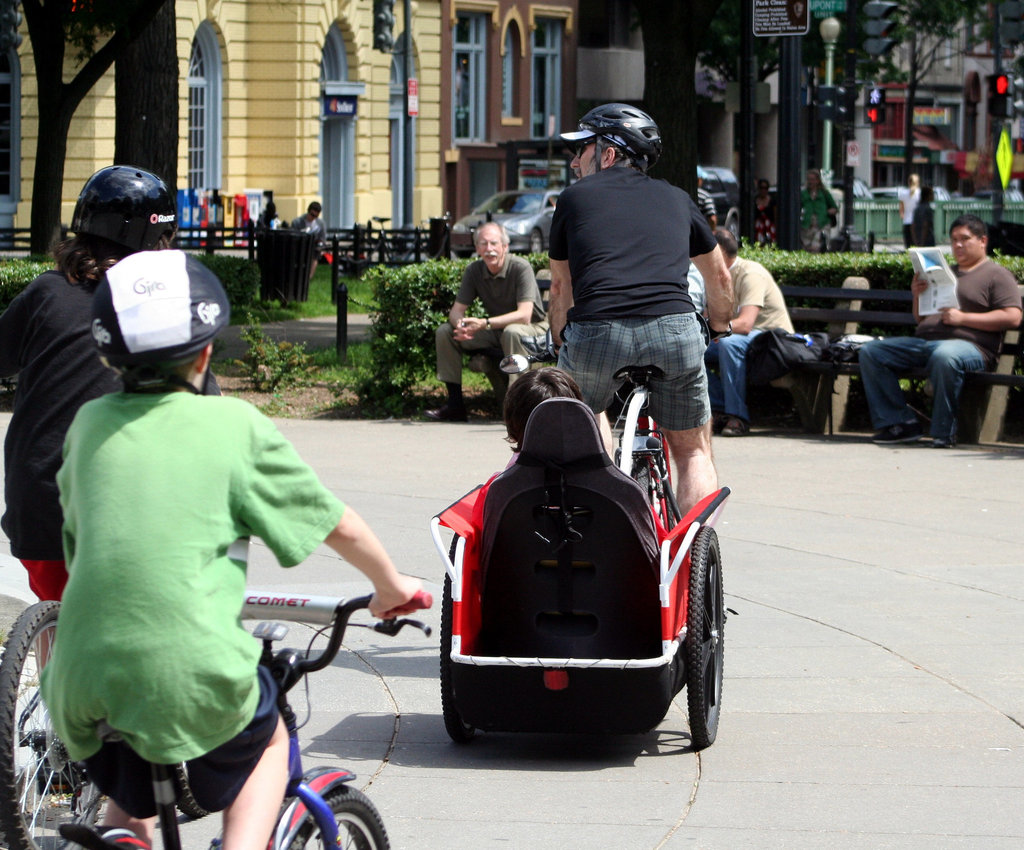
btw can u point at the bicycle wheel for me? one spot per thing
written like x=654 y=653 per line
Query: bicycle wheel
x=187 y=803
x=40 y=788
x=705 y=636
x=359 y=823
x=458 y=730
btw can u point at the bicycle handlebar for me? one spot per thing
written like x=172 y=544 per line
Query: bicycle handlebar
x=329 y=610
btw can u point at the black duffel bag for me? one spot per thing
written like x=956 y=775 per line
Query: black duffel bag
x=771 y=354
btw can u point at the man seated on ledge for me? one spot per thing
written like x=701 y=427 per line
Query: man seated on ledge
x=948 y=343
x=506 y=286
x=760 y=306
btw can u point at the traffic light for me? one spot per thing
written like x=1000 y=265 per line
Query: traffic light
x=878 y=25
x=1011 y=27
x=999 y=103
x=836 y=103
x=874 y=106
x=383 y=25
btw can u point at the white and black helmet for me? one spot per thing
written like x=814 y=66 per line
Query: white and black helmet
x=157 y=307
x=625 y=126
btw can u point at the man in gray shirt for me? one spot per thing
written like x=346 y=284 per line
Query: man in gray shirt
x=507 y=288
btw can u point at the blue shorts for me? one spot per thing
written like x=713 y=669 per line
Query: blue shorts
x=594 y=350
x=215 y=779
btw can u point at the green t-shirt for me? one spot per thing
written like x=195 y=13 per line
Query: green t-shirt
x=154 y=489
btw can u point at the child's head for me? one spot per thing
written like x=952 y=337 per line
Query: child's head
x=153 y=314
x=529 y=390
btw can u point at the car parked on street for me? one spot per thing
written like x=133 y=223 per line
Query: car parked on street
x=724 y=188
x=526 y=215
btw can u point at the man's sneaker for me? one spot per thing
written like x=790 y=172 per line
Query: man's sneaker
x=940 y=443
x=902 y=432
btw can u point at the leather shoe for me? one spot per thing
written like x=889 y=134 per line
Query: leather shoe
x=447 y=413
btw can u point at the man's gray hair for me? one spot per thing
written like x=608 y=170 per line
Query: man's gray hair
x=501 y=230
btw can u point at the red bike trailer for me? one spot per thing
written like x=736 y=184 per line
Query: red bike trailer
x=567 y=606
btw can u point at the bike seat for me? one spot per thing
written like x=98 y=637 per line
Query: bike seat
x=639 y=374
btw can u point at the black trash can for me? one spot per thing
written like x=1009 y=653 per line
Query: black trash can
x=285 y=258
x=438 y=243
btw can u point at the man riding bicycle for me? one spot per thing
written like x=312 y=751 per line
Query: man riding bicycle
x=621 y=244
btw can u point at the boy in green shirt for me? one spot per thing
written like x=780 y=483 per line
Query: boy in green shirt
x=158 y=484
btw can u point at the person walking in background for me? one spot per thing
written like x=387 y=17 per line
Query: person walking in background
x=311 y=222
x=764 y=214
x=706 y=203
x=817 y=209
x=909 y=196
x=923 y=226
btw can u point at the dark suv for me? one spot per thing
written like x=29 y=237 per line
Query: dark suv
x=722 y=185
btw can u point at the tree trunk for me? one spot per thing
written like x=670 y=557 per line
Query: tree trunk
x=672 y=31
x=146 y=81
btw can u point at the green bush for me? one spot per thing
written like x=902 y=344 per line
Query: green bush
x=240 y=277
x=883 y=271
x=272 y=365
x=16 y=274
x=411 y=302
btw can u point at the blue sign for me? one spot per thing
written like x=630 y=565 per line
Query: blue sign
x=340 y=104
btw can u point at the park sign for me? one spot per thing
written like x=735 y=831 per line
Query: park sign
x=781 y=17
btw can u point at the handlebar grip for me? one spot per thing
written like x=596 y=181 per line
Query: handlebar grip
x=422 y=599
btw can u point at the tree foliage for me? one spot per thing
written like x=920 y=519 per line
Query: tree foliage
x=97 y=32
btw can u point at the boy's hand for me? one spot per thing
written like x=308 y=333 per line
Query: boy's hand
x=401 y=598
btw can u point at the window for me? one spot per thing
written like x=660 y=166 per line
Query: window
x=546 y=92
x=469 y=78
x=509 y=72
x=204 y=94
x=9 y=131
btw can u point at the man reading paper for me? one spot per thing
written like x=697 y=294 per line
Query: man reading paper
x=948 y=343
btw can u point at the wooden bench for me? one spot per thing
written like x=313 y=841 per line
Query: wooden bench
x=821 y=390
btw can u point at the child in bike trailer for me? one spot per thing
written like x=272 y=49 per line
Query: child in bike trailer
x=159 y=486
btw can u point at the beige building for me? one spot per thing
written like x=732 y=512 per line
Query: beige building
x=285 y=97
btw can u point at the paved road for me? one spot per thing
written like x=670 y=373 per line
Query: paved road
x=874 y=693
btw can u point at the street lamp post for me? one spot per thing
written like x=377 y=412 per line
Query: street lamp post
x=829 y=30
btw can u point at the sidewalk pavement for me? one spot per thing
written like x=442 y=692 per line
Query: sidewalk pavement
x=874 y=691
x=321 y=332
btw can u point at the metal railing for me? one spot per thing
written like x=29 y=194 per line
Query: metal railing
x=882 y=217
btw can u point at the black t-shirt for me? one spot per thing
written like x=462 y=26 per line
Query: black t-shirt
x=46 y=339
x=628 y=239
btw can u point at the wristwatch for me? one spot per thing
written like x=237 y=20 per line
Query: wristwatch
x=719 y=334
x=488 y=324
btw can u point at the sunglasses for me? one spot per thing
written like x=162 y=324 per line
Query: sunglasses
x=579 y=147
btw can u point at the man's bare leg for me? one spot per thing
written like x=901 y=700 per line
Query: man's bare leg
x=695 y=468
x=604 y=426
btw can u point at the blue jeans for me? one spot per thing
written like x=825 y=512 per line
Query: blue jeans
x=946 y=361
x=728 y=388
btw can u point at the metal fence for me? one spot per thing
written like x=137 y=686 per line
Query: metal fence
x=882 y=217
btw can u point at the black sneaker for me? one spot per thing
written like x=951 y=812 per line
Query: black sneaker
x=902 y=432
x=940 y=443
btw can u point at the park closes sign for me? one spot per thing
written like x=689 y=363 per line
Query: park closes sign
x=781 y=17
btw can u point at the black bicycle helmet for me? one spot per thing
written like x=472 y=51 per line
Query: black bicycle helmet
x=127 y=205
x=624 y=126
x=157 y=308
